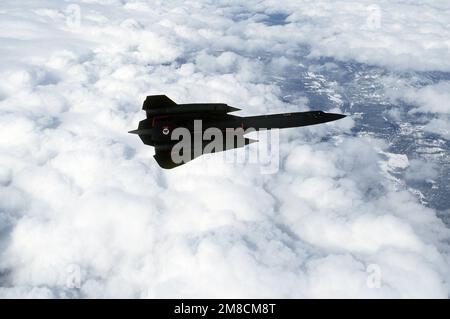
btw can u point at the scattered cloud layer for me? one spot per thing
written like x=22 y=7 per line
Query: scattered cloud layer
x=433 y=98
x=81 y=200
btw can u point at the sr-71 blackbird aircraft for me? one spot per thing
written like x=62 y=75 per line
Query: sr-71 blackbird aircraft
x=164 y=116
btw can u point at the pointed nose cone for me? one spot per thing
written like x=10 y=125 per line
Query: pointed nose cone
x=334 y=116
x=232 y=109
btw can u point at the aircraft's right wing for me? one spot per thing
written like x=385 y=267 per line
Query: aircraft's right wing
x=163 y=156
x=163 y=152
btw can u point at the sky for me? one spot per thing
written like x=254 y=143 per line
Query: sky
x=85 y=211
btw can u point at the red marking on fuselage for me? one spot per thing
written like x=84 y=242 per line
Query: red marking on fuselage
x=158 y=118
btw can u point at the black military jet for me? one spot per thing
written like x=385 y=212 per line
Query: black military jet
x=164 y=117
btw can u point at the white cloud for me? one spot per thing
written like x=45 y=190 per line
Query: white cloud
x=421 y=171
x=439 y=126
x=76 y=189
x=434 y=98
